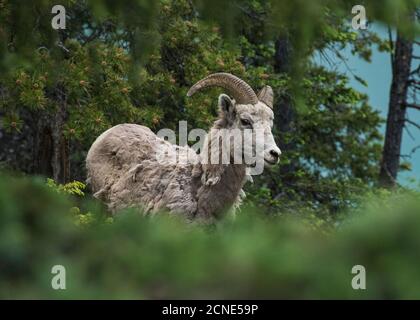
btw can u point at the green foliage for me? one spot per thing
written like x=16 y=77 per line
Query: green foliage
x=24 y=29
x=133 y=61
x=94 y=80
x=73 y=188
x=254 y=256
x=300 y=231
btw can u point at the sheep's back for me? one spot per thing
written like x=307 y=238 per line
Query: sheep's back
x=116 y=150
x=127 y=166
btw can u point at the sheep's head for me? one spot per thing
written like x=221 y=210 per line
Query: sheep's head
x=245 y=112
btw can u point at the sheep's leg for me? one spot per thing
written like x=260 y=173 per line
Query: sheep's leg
x=237 y=204
x=101 y=194
x=212 y=174
x=204 y=219
x=197 y=171
x=248 y=178
x=133 y=171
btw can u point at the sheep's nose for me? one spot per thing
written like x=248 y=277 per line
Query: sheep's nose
x=275 y=153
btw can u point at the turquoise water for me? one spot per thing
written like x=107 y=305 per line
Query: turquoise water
x=378 y=76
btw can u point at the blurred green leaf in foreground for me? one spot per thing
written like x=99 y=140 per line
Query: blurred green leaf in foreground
x=257 y=256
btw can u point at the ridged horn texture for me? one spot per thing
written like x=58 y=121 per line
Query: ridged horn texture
x=266 y=96
x=236 y=87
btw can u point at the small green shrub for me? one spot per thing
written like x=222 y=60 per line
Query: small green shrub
x=74 y=188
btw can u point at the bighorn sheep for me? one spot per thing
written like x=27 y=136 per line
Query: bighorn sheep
x=123 y=169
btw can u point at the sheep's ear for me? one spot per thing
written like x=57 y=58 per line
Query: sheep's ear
x=266 y=96
x=227 y=107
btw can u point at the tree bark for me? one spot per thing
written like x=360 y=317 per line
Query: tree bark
x=283 y=108
x=60 y=161
x=51 y=148
x=43 y=151
x=401 y=64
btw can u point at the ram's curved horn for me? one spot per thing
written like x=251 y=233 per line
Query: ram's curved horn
x=238 y=88
x=266 y=96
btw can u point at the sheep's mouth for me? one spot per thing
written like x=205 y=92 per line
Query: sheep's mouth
x=270 y=162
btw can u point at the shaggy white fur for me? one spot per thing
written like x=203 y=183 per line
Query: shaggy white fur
x=125 y=167
x=124 y=170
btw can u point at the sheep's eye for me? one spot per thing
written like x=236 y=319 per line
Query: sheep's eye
x=245 y=122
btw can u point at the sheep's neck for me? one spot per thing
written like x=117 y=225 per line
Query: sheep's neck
x=222 y=183
x=218 y=159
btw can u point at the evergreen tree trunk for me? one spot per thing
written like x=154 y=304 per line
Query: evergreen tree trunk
x=60 y=161
x=284 y=113
x=283 y=109
x=43 y=151
x=401 y=64
x=51 y=148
